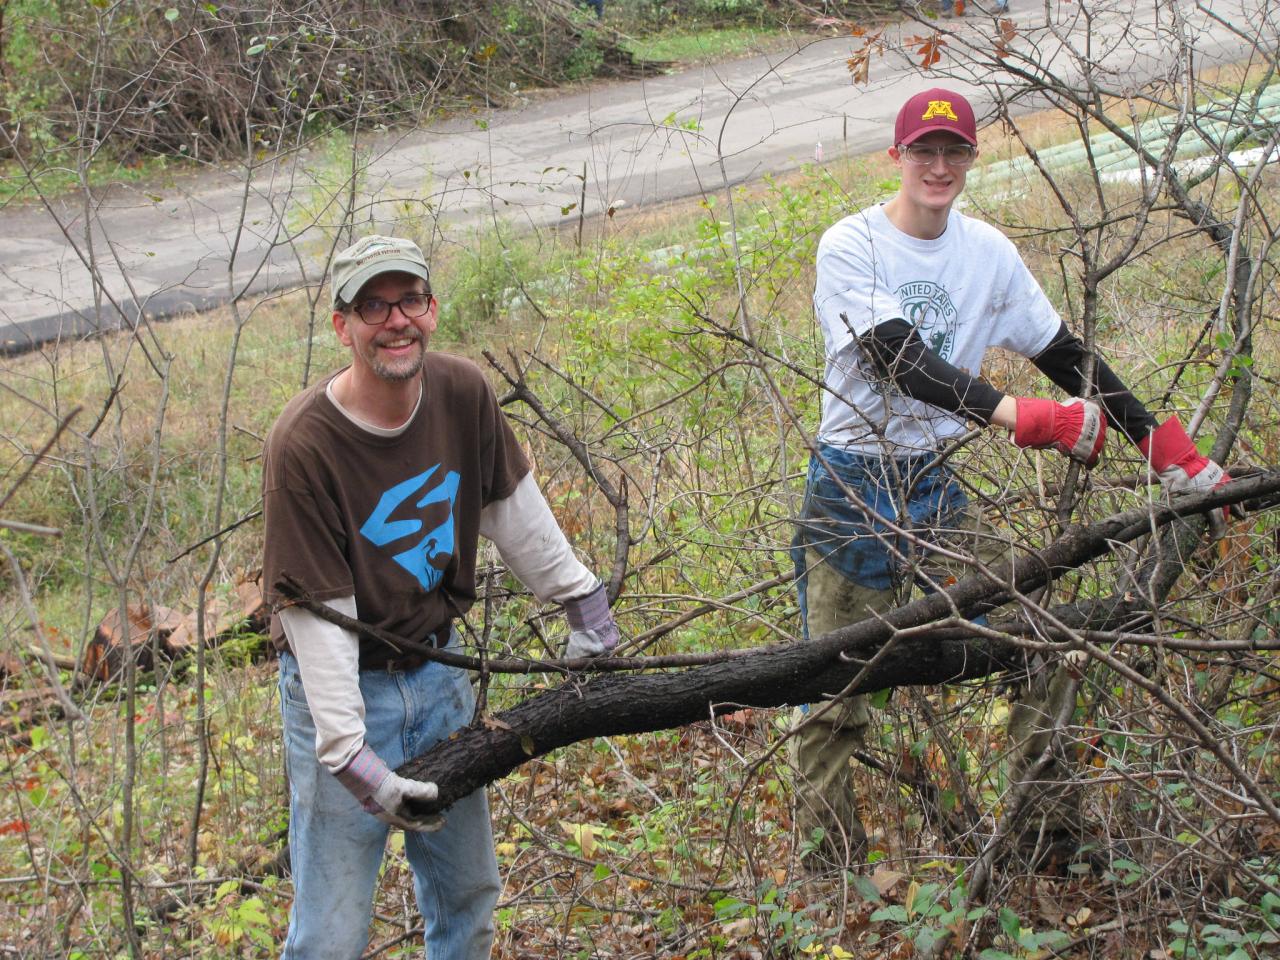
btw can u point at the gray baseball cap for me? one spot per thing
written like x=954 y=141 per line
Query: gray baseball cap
x=370 y=256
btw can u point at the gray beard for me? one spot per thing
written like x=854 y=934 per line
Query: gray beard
x=397 y=375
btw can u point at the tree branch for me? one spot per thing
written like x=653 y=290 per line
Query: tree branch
x=801 y=672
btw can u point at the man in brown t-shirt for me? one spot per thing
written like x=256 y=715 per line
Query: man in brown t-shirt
x=377 y=483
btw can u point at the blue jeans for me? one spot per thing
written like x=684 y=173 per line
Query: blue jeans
x=336 y=847
x=849 y=566
x=853 y=536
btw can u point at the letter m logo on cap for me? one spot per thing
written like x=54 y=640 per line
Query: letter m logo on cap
x=940 y=108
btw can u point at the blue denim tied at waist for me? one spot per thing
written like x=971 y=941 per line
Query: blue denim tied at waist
x=852 y=536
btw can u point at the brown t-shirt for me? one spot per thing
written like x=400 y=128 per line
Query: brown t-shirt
x=393 y=520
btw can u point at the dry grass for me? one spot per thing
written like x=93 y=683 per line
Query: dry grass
x=675 y=842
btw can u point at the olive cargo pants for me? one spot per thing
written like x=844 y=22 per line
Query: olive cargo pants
x=851 y=567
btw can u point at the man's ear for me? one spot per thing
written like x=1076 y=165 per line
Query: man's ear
x=340 y=328
x=895 y=155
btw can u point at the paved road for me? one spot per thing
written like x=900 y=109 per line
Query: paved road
x=640 y=142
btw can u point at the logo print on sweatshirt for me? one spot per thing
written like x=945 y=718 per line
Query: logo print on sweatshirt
x=427 y=558
x=928 y=308
x=940 y=108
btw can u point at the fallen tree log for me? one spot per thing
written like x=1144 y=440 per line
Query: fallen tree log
x=879 y=653
x=152 y=633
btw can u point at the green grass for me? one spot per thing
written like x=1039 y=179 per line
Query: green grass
x=56 y=176
x=682 y=46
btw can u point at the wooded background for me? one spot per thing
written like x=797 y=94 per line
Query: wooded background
x=662 y=367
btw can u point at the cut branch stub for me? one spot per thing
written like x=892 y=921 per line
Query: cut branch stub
x=112 y=641
x=175 y=634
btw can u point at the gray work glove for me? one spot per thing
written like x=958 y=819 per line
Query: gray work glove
x=592 y=630
x=386 y=795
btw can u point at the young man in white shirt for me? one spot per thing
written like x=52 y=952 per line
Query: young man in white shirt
x=910 y=295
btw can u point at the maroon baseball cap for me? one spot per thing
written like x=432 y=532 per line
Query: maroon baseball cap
x=935 y=109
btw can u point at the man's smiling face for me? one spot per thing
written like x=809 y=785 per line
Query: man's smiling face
x=392 y=350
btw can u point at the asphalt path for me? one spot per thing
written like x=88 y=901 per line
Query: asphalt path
x=72 y=268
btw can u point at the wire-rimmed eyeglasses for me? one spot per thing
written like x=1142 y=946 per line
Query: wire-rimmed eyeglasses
x=954 y=154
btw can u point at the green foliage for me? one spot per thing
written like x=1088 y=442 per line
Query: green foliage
x=728 y=9
x=697 y=16
x=27 y=90
x=1241 y=930
x=239 y=919
x=51 y=171
x=681 y=45
x=585 y=60
x=481 y=281
x=928 y=912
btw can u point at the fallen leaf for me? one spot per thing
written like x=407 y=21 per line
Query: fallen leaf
x=884 y=879
x=582 y=835
x=1080 y=917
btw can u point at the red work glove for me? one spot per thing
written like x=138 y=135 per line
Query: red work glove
x=1183 y=469
x=1076 y=428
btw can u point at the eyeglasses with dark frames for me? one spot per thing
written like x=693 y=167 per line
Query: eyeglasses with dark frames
x=375 y=311
x=953 y=154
